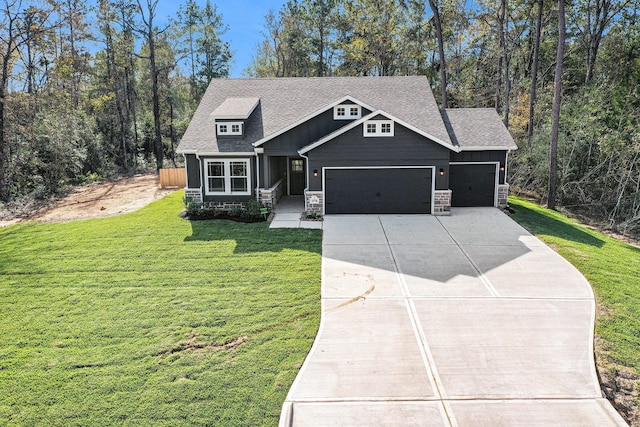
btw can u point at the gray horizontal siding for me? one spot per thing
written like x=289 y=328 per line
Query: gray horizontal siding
x=304 y=134
x=483 y=156
x=405 y=148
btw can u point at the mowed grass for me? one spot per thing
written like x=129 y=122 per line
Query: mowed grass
x=149 y=319
x=612 y=267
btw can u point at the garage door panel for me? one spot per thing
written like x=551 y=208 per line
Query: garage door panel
x=472 y=185
x=379 y=191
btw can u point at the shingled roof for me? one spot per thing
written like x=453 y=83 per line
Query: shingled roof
x=276 y=104
x=478 y=129
x=285 y=101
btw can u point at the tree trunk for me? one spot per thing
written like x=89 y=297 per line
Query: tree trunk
x=156 y=100
x=4 y=193
x=534 y=73
x=557 y=99
x=505 y=61
x=7 y=55
x=149 y=33
x=443 y=67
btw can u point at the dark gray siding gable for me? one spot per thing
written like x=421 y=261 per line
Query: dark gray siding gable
x=304 y=134
x=405 y=148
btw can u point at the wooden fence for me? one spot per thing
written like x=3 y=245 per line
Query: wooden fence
x=173 y=178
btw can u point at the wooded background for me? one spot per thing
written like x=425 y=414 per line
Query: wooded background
x=71 y=112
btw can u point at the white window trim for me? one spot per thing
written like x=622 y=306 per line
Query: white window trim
x=229 y=126
x=378 y=131
x=347 y=112
x=227 y=177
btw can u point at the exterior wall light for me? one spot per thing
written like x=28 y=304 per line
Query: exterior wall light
x=315 y=172
x=441 y=172
x=501 y=168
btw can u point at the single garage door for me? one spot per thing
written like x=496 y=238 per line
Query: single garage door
x=472 y=185
x=378 y=191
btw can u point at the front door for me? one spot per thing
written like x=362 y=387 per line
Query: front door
x=296 y=177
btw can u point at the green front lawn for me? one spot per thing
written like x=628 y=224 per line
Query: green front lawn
x=612 y=267
x=148 y=319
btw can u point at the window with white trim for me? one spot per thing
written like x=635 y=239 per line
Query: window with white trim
x=229 y=128
x=227 y=177
x=347 y=112
x=378 y=128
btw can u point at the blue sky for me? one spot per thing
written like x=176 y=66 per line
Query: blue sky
x=245 y=19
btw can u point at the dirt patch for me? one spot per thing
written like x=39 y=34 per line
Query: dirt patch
x=100 y=200
x=619 y=384
x=194 y=344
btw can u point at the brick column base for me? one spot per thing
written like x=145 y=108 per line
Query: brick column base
x=442 y=202
x=503 y=194
x=314 y=202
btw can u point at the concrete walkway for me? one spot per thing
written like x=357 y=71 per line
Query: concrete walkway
x=288 y=214
x=465 y=320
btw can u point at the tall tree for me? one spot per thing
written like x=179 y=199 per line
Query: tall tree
x=443 y=66
x=207 y=54
x=534 y=72
x=592 y=19
x=74 y=34
x=150 y=33
x=555 y=114
x=10 y=40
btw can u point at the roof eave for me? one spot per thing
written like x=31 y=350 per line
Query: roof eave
x=489 y=148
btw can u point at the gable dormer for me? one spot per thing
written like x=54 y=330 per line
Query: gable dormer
x=232 y=114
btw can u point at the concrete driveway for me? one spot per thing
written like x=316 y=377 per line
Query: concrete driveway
x=465 y=320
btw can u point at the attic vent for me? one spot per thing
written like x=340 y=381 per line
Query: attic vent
x=347 y=112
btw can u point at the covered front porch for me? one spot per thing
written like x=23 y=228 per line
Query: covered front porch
x=286 y=175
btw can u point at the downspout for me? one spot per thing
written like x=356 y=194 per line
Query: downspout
x=257 y=178
x=307 y=187
x=506 y=162
x=201 y=180
x=186 y=178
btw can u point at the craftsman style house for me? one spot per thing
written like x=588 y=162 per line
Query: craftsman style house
x=347 y=144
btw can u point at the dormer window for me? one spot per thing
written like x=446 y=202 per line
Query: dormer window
x=347 y=112
x=229 y=128
x=378 y=128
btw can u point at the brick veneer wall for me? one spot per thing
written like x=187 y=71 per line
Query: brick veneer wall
x=442 y=202
x=313 y=205
x=271 y=196
x=193 y=195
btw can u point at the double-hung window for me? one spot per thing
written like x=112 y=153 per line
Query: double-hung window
x=227 y=177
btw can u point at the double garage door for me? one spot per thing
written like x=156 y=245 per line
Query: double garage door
x=405 y=190
x=378 y=191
